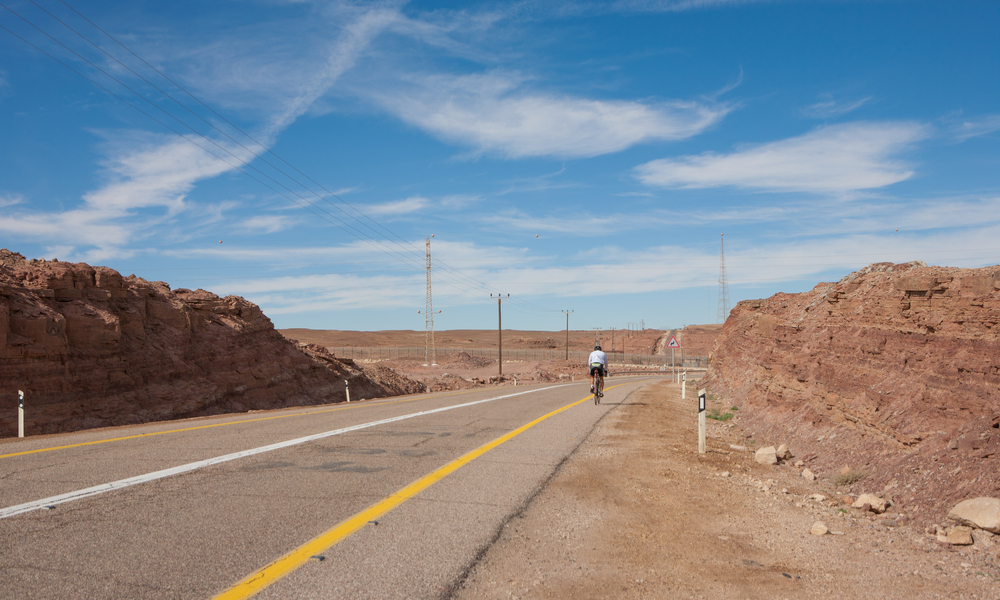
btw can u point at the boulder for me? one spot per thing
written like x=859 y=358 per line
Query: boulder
x=875 y=503
x=983 y=513
x=819 y=528
x=766 y=456
x=808 y=475
x=983 y=538
x=783 y=452
x=959 y=535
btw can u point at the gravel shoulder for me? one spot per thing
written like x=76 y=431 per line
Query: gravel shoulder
x=636 y=512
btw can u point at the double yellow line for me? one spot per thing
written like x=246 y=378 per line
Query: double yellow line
x=257 y=581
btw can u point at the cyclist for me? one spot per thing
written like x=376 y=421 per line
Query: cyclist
x=598 y=370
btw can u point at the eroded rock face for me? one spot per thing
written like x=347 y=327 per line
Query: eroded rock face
x=91 y=348
x=895 y=368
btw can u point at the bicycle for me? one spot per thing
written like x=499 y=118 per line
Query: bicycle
x=597 y=382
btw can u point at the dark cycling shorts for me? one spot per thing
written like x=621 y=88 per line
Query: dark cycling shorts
x=598 y=369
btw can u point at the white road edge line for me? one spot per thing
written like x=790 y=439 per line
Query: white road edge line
x=124 y=483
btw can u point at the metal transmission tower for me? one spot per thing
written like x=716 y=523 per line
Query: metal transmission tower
x=723 y=284
x=429 y=354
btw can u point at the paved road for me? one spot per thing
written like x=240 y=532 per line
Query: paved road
x=197 y=507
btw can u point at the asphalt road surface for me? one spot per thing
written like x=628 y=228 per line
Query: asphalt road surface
x=391 y=498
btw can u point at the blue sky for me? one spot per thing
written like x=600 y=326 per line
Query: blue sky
x=578 y=156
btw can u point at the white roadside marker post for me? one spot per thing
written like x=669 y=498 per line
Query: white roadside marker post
x=20 y=414
x=347 y=389
x=701 y=421
x=684 y=385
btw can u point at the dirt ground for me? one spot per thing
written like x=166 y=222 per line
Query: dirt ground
x=636 y=512
x=638 y=342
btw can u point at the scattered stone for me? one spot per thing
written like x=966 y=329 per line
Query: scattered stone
x=724 y=474
x=799 y=463
x=960 y=535
x=808 y=475
x=847 y=499
x=983 y=513
x=875 y=504
x=766 y=456
x=818 y=497
x=783 y=452
x=982 y=538
x=819 y=528
x=735 y=447
x=845 y=470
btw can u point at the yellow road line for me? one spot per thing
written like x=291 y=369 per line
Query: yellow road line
x=314 y=412
x=257 y=581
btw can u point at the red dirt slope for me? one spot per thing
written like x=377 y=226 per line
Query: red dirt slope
x=894 y=370
x=91 y=348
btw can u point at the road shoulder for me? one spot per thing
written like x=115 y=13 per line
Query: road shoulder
x=637 y=513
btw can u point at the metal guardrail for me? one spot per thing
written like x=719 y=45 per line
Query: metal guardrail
x=377 y=353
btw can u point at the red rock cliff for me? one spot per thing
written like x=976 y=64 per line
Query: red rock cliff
x=91 y=348
x=893 y=370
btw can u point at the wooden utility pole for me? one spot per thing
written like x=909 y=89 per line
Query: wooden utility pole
x=500 y=298
x=567 y=332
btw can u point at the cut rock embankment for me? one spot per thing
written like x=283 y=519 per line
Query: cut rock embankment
x=91 y=348
x=894 y=370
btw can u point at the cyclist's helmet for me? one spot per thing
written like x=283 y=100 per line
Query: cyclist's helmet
x=597 y=347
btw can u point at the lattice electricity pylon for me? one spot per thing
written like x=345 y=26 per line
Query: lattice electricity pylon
x=723 y=284
x=429 y=354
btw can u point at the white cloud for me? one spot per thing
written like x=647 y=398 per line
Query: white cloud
x=268 y=223
x=144 y=171
x=829 y=108
x=6 y=201
x=400 y=207
x=678 y=5
x=493 y=113
x=832 y=159
x=963 y=129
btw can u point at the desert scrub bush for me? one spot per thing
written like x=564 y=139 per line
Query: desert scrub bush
x=849 y=478
x=719 y=416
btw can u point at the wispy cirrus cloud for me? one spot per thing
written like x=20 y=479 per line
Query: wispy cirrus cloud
x=832 y=159
x=143 y=171
x=6 y=201
x=495 y=113
x=963 y=129
x=400 y=207
x=268 y=223
x=678 y=5
x=828 y=108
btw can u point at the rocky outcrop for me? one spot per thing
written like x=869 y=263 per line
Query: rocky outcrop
x=895 y=367
x=92 y=348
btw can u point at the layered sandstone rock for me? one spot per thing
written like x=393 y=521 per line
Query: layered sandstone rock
x=92 y=348
x=895 y=368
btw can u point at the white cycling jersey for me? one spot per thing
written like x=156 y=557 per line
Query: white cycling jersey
x=598 y=356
